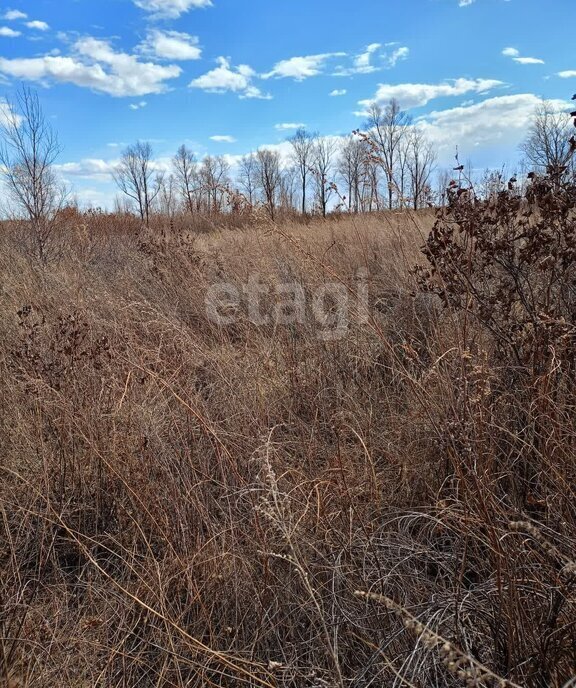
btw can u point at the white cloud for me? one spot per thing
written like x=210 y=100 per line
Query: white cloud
x=300 y=68
x=38 y=25
x=13 y=15
x=499 y=121
x=7 y=32
x=398 y=55
x=467 y=3
x=93 y=198
x=171 y=45
x=338 y=92
x=7 y=114
x=88 y=168
x=414 y=95
x=374 y=58
x=99 y=169
x=256 y=93
x=138 y=106
x=567 y=74
x=170 y=9
x=514 y=53
x=96 y=65
x=219 y=138
x=225 y=78
x=529 y=60
x=289 y=126
x=362 y=63
x=304 y=67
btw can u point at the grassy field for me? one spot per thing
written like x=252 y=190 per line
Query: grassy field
x=187 y=502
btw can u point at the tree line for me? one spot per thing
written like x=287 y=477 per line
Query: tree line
x=391 y=168
x=389 y=164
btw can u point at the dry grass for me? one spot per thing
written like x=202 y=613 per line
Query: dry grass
x=186 y=504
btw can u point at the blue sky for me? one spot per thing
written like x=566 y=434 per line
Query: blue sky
x=172 y=71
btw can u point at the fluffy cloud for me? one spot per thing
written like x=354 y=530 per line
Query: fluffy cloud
x=13 y=15
x=96 y=65
x=138 y=106
x=89 y=168
x=300 y=68
x=7 y=32
x=567 y=74
x=171 y=45
x=515 y=55
x=170 y=9
x=414 y=95
x=219 y=138
x=362 y=63
x=102 y=170
x=226 y=78
x=37 y=25
x=338 y=92
x=499 y=121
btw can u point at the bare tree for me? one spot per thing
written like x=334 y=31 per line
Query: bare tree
x=324 y=158
x=302 y=156
x=136 y=178
x=269 y=179
x=547 y=145
x=370 y=182
x=288 y=188
x=247 y=176
x=186 y=172
x=215 y=179
x=167 y=200
x=420 y=161
x=389 y=128
x=28 y=151
x=350 y=167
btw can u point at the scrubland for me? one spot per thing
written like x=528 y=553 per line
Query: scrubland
x=191 y=503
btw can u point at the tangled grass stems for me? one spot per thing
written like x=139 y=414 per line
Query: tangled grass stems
x=471 y=672
x=275 y=508
x=237 y=665
x=568 y=569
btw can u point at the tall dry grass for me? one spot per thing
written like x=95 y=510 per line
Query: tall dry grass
x=189 y=504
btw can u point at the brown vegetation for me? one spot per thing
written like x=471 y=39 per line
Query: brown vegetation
x=187 y=504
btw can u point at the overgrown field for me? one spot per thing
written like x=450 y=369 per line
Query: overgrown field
x=185 y=502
